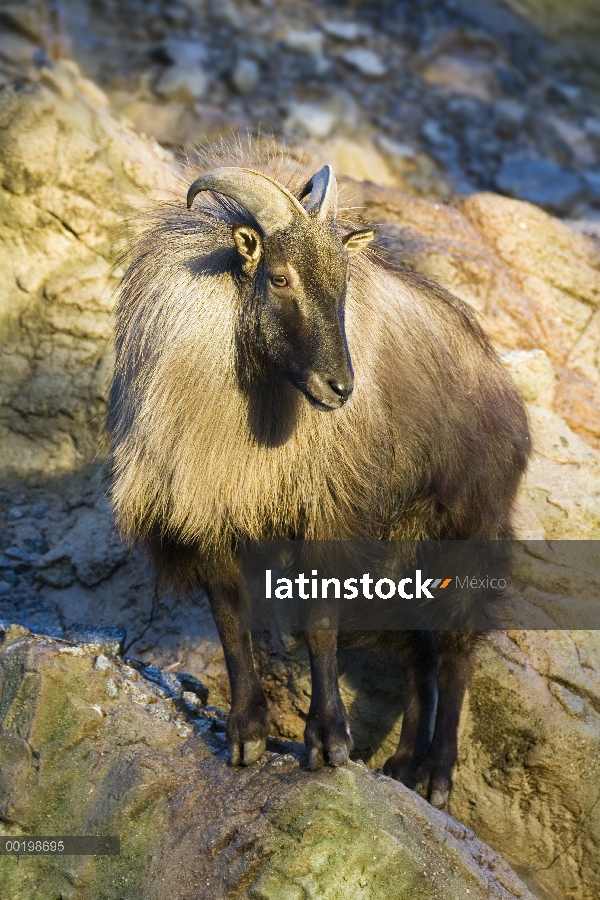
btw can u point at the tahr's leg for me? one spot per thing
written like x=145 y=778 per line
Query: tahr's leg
x=419 y=715
x=247 y=723
x=456 y=659
x=326 y=736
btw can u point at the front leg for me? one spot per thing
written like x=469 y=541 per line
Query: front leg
x=247 y=722
x=326 y=736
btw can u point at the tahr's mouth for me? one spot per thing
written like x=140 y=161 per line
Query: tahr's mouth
x=324 y=392
x=325 y=405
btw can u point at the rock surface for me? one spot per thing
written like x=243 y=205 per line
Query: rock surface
x=72 y=176
x=89 y=746
x=186 y=72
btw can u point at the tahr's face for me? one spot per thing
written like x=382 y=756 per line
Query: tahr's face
x=302 y=276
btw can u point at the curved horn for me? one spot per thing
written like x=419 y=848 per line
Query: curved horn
x=272 y=205
x=322 y=188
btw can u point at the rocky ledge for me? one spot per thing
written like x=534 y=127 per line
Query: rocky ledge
x=89 y=744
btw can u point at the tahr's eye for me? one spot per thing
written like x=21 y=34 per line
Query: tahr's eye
x=279 y=280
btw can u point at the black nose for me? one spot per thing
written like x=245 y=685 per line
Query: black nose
x=342 y=390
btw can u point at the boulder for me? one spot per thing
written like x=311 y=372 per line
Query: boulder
x=534 y=281
x=72 y=178
x=89 y=746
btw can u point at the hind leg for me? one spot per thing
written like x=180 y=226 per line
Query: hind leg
x=456 y=659
x=247 y=722
x=419 y=715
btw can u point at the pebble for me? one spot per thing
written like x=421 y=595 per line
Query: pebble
x=184 y=83
x=433 y=132
x=191 y=699
x=394 y=148
x=102 y=662
x=38 y=511
x=365 y=61
x=315 y=121
x=14 y=514
x=184 y=53
x=510 y=115
x=304 y=41
x=540 y=181
x=245 y=76
x=343 y=31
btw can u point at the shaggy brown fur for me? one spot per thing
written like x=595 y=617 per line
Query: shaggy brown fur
x=209 y=450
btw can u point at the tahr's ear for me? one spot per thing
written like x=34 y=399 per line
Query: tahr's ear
x=358 y=240
x=249 y=245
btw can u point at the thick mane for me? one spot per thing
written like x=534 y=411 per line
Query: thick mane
x=203 y=459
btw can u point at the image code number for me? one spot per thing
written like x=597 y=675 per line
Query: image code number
x=72 y=845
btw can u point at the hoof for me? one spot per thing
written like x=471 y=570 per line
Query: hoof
x=246 y=753
x=247 y=731
x=402 y=769
x=327 y=740
x=433 y=782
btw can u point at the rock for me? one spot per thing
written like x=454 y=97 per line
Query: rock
x=575 y=139
x=559 y=20
x=342 y=31
x=16 y=50
x=91 y=550
x=360 y=160
x=94 y=640
x=304 y=41
x=541 y=181
x=175 y=125
x=245 y=76
x=432 y=132
x=307 y=118
x=592 y=127
x=592 y=183
x=183 y=83
x=568 y=93
x=69 y=176
x=23 y=17
x=365 y=61
x=184 y=53
x=510 y=115
x=532 y=372
x=395 y=148
x=93 y=747
x=536 y=727
x=459 y=75
x=401 y=158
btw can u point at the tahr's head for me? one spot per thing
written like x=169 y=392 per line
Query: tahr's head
x=298 y=259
